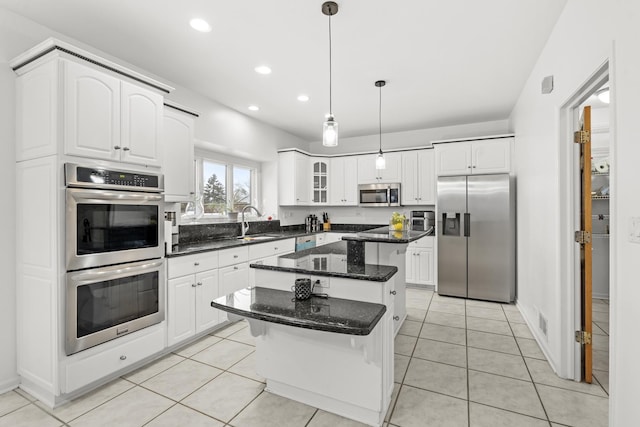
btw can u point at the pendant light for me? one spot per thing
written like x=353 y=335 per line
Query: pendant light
x=330 y=126
x=380 y=161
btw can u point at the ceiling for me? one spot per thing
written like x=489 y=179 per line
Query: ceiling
x=445 y=62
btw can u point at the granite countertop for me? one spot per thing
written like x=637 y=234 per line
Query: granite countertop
x=333 y=260
x=321 y=314
x=384 y=235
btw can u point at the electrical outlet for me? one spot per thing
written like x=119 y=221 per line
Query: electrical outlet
x=321 y=282
x=358 y=213
x=542 y=323
x=634 y=229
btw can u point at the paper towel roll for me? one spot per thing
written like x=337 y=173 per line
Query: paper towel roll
x=167 y=236
x=602 y=167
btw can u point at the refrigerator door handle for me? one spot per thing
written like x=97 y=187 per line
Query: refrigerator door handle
x=467 y=224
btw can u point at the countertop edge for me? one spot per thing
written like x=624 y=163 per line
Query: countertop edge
x=384 y=278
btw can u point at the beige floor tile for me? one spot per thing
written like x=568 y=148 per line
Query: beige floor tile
x=600 y=342
x=510 y=307
x=603 y=379
x=484 y=304
x=224 y=354
x=595 y=329
x=25 y=395
x=224 y=397
x=227 y=330
x=602 y=308
x=486 y=416
x=445 y=319
x=494 y=342
x=247 y=368
x=416 y=314
x=448 y=300
x=437 y=377
x=179 y=415
x=419 y=301
x=182 y=379
x=444 y=333
x=542 y=373
x=488 y=325
x=198 y=346
x=11 y=401
x=420 y=408
x=530 y=348
x=498 y=363
x=573 y=408
x=404 y=344
x=604 y=326
x=269 y=410
x=327 y=419
x=486 y=313
x=89 y=401
x=154 y=368
x=133 y=408
x=29 y=416
x=505 y=393
x=411 y=328
x=443 y=307
x=521 y=330
x=243 y=336
x=601 y=360
x=400 y=365
x=514 y=317
x=600 y=316
x=438 y=351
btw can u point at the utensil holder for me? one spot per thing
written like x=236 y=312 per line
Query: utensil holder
x=302 y=289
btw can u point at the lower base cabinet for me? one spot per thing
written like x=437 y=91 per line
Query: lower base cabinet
x=419 y=264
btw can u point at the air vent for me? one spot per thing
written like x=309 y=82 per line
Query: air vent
x=542 y=323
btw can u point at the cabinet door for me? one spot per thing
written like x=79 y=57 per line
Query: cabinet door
x=426 y=177
x=393 y=168
x=294 y=179
x=337 y=181
x=410 y=173
x=319 y=181
x=177 y=144
x=491 y=156
x=181 y=316
x=453 y=158
x=367 y=172
x=410 y=274
x=233 y=278
x=206 y=291
x=302 y=180
x=141 y=112
x=424 y=266
x=91 y=113
x=350 y=179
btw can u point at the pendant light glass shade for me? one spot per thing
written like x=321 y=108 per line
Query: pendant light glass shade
x=380 y=161
x=330 y=132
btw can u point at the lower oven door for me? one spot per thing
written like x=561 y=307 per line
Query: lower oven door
x=109 y=227
x=109 y=302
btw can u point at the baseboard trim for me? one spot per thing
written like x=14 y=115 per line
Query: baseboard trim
x=9 y=384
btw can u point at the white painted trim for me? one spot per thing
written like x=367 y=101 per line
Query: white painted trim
x=9 y=384
x=359 y=153
x=504 y=135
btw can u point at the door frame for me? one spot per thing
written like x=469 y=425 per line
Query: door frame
x=570 y=311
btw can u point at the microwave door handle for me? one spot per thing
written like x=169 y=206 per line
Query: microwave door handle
x=110 y=195
x=389 y=196
x=85 y=277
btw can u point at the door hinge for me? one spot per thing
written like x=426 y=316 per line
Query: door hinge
x=583 y=237
x=583 y=337
x=581 y=137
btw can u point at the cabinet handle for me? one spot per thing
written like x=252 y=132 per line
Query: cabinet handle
x=275 y=249
x=396 y=318
x=192 y=193
x=235 y=256
x=474 y=166
x=116 y=147
x=235 y=267
x=123 y=357
x=199 y=283
x=125 y=148
x=392 y=292
x=468 y=167
x=196 y=264
x=193 y=285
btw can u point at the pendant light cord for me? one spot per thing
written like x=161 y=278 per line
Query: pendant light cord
x=380 y=118
x=330 y=108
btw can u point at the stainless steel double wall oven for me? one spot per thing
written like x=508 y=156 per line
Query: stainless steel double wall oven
x=114 y=254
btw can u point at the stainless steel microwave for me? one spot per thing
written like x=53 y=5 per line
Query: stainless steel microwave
x=379 y=194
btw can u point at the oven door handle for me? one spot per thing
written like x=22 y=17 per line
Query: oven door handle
x=112 y=195
x=114 y=272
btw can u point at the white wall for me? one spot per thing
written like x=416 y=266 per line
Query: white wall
x=587 y=34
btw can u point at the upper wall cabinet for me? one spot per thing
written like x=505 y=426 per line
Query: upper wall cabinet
x=319 y=180
x=418 y=177
x=368 y=174
x=294 y=176
x=343 y=181
x=177 y=142
x=473 y=157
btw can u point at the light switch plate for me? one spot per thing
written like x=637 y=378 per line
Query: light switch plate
x=634 y=229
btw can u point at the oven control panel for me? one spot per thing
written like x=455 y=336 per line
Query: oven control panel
x=81 y=176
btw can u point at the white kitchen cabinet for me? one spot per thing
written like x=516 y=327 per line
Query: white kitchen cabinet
x=268 y=252
x=178 y=164
x=192 y=285
x=343 y=181
x=293 y=179
x=419 y=261
x=418 y=177
x=368 y=174
x=319 y=180
x=234 y=269
x=473 y=157
x=110 y=119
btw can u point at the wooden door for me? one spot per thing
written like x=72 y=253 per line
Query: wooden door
x=583 y=237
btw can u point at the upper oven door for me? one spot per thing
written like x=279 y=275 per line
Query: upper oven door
x=107 y=227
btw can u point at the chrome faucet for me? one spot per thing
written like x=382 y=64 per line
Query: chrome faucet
x=245 y=228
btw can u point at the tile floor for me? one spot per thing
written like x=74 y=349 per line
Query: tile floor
x=458 y=363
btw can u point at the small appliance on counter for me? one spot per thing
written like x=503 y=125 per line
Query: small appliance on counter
x=311 y=224
x=422 y=220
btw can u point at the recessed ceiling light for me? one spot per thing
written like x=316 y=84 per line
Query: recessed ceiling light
x=254 y=107
x=303 y=98
x=200 y=25
x=263 y=69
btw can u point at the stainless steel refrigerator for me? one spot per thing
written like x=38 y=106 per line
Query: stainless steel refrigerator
x=476 y=237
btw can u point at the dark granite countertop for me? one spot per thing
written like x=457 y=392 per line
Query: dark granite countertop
x=333 y=260
x=384 y=235
x=321 y=314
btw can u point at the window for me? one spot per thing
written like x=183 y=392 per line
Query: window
x=222 y=186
